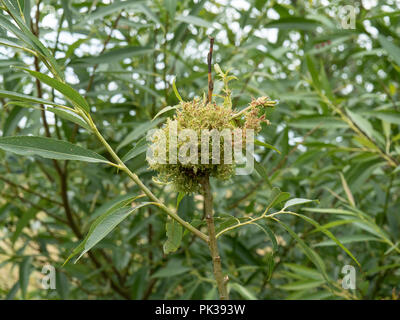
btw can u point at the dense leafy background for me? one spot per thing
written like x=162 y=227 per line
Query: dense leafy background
x=337 y=127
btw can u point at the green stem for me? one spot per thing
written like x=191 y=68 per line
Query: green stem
x=212 y=241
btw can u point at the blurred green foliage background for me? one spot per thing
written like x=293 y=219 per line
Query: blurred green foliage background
x=336 y=125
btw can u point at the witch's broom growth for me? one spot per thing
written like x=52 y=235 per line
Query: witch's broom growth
x=188 y=179
x=199 y=116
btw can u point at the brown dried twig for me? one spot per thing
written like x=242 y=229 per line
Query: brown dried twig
x=210 y=81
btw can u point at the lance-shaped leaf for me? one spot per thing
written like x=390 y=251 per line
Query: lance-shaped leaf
x=70 y=93
x=328 y=233
x=266 y=145
x=102 y=226
x=244 y=292
x=71 y=117
x=262 y=172
x=196 y=21
x=296 y=201
x=24 y=33
x=62 y=113
x=24 y=98
x=174 y=234
x=138 y=132
x=277 y=196
x=310 y=253
x=25 y=270
x=163 y=110
x=116 y=54
x=176 y=90
x=392 y=50
x=48 y=148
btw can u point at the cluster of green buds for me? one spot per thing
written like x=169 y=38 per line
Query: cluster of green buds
x=200 y=116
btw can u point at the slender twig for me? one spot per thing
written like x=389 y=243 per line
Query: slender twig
x=212 y=242
x=251 y=221
x=208 y=206
x=209 y=62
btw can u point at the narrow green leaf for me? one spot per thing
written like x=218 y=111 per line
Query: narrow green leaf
x=244 y=292
x=114 y=204
x=176 y=91
x=266 y=145
x=139 y=148
x=277 y=196
x=22 y=223
x=297 y=201
x=390 y=116
x=328 y=233
x=66 y=115
x=13 y=291
x=70 y=93
x=62 y=113
x=313 y=71
x=68 y=13
x=172 y=269
x=310 y=253
x=361 y=122
x=180 y=30
x=62 y=285
x=138 y=132
x=348 y=239
x=48 y=148
x=310 y=122
x=163 y=110
x=174 y=236
x=331 y=211
x=27 y=11
x=392 y=50
x=262 y=172
x=270 y=234
x=102 y=226
x=347 y=190
x=171 y=7
x=25 y=269
x=8 y=25
x=181 y=195
x=304 y=271
x=25 y=98
x=116 y=54
x=150 y=15
x=13 y=119
x=110 y=9
x=302 y=285
x=30 y=38
x=293 y=23
x=196 y=21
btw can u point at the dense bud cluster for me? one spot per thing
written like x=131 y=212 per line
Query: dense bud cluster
x=196 y=116
x=199 y=116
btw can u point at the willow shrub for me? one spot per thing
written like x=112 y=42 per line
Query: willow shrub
x=81 y=186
